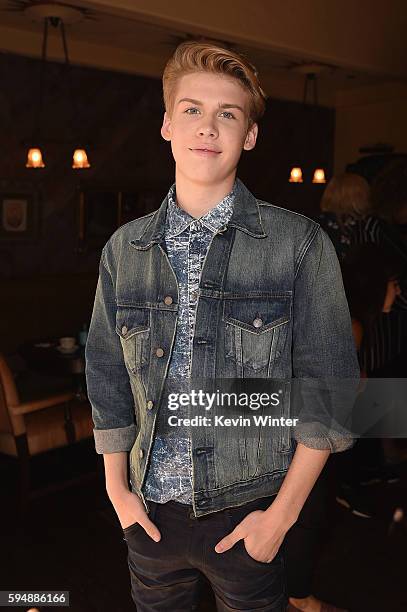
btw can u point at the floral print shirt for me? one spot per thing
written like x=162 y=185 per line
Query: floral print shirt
x=187 y=241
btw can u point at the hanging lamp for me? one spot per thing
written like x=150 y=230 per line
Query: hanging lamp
x=56 y=15
x=296 y=175
x=319 y=176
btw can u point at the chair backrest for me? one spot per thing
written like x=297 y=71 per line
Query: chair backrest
x=9 y=422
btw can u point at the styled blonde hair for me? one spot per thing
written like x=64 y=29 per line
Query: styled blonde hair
x=201 y=56
x=347 y=194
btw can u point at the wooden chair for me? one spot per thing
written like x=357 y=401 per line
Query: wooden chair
x=33 y=427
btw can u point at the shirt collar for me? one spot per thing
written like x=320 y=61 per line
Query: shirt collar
x=246 y=218
x=178 y=220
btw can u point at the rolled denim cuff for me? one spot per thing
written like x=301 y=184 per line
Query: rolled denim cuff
x=319 y=437
x=117 y=440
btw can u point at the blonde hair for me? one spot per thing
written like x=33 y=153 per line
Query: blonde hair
x=201 y=56
x=347 y=194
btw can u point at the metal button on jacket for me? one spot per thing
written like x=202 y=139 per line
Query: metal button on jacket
x=257 y=322
x=150 y=404
x=124 y=330
x=159 y=352
x=168 y=300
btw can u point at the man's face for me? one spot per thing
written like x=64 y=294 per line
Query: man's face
x=208 y=127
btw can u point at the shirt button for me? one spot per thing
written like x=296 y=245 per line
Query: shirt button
x=150 y=404
x=124 y=330
x=257 y=322
x=168 y=300
x=194 y=295
x=159 y=352
x=141 y=453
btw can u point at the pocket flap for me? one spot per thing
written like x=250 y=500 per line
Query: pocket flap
x=131 y=321
x=257 y=315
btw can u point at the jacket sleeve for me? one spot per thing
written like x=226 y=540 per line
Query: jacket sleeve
x=325 y=366
x=107 y=379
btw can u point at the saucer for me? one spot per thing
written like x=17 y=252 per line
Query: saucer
x=71 y=349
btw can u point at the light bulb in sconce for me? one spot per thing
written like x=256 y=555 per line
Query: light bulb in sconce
x=80 y=159
x=34 y=159
x=295 y=175
x=319 y=176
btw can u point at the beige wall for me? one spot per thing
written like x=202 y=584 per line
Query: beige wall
x=364 y=35
x=368 y=116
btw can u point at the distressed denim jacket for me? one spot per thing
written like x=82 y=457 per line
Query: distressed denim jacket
x=267 y=264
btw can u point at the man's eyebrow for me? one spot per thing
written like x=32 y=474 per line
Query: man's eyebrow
x=199 y=103
x=232 y=106
x=189 y=100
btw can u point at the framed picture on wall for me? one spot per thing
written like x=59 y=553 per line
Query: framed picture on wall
x=19 y=217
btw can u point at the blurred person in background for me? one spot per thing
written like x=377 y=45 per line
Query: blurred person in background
x=354 y=213
x=371 y=280
x=345 y=205
x=371 y=284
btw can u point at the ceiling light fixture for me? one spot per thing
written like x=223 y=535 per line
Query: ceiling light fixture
x=296 y=171
x=56 y=15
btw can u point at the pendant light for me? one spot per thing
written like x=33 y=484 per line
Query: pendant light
x=54 y=14
x=34 y=154
x=319 y=176
x=80 y=159
x=295 y=175
x=34 y=158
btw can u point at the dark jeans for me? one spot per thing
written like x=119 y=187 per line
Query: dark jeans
x=165 y=575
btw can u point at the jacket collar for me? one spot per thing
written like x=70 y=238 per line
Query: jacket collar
x=245 y=217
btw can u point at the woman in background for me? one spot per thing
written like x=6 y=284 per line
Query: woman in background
x=354 y=214
x=345 y=207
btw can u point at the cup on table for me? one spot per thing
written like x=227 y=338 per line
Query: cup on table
x=67 y=342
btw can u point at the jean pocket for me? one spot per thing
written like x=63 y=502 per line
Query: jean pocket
x=133 y=328
x=132 y=528
x=135 y=527
x=236 y=516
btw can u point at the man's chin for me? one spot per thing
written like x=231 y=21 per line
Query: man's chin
x=204 y=176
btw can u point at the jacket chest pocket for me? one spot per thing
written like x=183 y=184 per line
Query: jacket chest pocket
x=133 y=327
x=255 y=331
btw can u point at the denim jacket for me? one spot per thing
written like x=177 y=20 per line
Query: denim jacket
x=271 y=304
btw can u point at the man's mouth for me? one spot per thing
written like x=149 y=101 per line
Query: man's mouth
x=205 y=150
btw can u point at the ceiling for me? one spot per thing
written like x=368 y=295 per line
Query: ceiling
x=139 y=36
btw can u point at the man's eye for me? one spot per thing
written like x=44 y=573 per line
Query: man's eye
x=191 y=111
x=228 y=115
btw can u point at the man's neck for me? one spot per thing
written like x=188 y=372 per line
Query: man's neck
x=198 y=198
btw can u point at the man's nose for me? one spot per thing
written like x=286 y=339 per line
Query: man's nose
x=208 y=129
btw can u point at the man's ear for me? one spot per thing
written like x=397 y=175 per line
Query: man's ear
x=251 y=137
x=166 y=127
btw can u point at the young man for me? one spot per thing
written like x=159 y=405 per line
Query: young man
x=213 y=285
